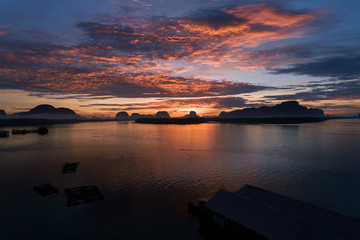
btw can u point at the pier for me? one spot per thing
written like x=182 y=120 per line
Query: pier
x=261 y=214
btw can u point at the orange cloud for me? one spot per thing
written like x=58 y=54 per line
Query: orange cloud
x=143 y=3
x=268 y=16
x=2 y=31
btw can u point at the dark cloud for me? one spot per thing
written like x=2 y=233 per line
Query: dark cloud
x=326 y=91
x=214 y=18
x=152 y=40
x=335 y=67
x=58 y=96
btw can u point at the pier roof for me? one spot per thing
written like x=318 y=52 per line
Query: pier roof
x=278 y=217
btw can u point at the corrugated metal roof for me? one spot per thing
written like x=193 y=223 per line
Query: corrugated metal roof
x=281 y=218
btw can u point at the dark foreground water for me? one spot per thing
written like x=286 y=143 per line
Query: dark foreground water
x=148 y=173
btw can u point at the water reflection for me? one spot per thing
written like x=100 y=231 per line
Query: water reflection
x=148 y=173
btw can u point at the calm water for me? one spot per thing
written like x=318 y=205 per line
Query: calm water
x=148 y=173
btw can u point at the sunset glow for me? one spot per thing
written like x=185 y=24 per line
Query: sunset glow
x=207 y=56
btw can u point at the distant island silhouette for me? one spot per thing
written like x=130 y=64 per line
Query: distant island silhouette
x=285 y=112
x=192 y=114
x=48 y=112
x=162 y=114
x=284 y=109
x=122 y=116
x=44 y=114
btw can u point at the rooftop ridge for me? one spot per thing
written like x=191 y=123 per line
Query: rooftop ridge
x=324 y=220
x=292 y=215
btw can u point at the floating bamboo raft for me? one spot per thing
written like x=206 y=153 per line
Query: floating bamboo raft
x=70 y=167
x=82 y=194
x=45 y=189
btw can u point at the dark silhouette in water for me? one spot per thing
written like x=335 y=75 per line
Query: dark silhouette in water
x=20 y=131
x=41 y=131
x=48 y=112
x=45 y=189
x=284 y=109
x=4 y=133
x=83 y=194
x=122 y=116
x=70 y=167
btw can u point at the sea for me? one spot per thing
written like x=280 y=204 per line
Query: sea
x=149 y=173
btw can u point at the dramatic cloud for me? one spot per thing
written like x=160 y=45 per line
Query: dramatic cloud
x=149 y=56
x=76 y=70
x=208 y=36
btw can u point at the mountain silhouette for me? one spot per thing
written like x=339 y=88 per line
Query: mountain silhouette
x=192 y=114
x=284 y=109
x=48 y=111
x=162 y=114
x=122 y=116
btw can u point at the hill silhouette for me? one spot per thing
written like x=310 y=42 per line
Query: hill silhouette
x=284 y=109
x=47 y=111
x=192 y=114
x=290 y=112
x=122 y=116
x=2 y=113
x=162 y=114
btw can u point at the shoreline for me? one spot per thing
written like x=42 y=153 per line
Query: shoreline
x=16 y=122
x=269 y=120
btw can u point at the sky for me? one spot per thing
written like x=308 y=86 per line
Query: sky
x=100 y=57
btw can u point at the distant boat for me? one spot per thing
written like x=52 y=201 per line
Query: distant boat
x=4 y=133
x=70 y=167
x=82 y=194
x=45 y=189
x=22 y=131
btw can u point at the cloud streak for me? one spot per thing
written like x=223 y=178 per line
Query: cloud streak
x=192 y=103
x=344 y=90
x=343 y=68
